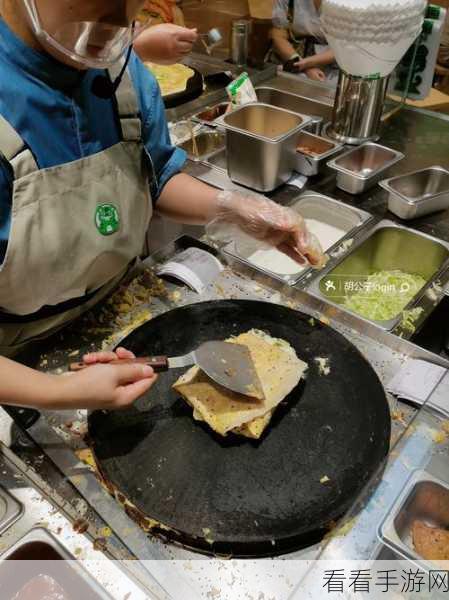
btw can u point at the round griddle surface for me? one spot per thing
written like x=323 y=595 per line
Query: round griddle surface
x=250 y=497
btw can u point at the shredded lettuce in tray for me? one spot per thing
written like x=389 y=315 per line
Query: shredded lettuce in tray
x=383 y=295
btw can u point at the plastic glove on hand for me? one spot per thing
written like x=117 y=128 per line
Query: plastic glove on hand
x=271 y=223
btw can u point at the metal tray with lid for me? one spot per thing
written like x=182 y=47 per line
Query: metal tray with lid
x=419 y=193
x=362 y=167
x=334 y=217
x=10 y=510
x=425 y=498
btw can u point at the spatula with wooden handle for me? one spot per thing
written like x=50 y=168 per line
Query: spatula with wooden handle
x=229 y=365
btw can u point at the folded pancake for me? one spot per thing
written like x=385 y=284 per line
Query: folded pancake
x=279 y=371
x=172 y=79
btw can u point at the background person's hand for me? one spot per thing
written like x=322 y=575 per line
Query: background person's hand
x=165 y=44
x=105 y=386
x=272 y=224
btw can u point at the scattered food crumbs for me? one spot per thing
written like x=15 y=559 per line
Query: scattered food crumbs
x=127 y=596
x=325 y=320
x=445 y=426
x=439 y=437
x=99 y=544
x=80 y=526
x=323 y=365
x=175 y=296
x=207 y=535
x=78 y=551
x=74 y=353
x=312 y=321
x=324 y=479
x=105 y=532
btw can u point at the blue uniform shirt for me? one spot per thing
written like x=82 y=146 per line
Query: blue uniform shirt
x=52 y=108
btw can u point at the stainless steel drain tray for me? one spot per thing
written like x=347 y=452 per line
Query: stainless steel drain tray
x=10 y=510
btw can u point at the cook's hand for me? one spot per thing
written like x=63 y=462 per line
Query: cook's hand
x=165 y=44
x=315 y=74
x=104 y=386
x=292 y=65
x=271 y=223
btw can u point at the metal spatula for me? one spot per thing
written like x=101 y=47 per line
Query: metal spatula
x=229 y=365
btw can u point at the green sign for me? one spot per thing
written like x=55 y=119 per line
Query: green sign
x=107 y=219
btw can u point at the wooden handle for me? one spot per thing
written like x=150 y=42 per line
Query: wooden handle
x=158 y=363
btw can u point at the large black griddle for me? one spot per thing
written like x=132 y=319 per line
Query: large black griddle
x=250 y=498
x=194 y=89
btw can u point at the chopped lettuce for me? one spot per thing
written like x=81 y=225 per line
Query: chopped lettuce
x=383 y=295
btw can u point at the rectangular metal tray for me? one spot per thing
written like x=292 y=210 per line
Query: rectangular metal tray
x=208 y=142
x=419 y=193
x=386 y=246
x=260 y=145
x=425 y=498
x=362 y=167
x=310 y=163
x=46 y=556
x=10 y=510
x=311 y=205
x=210 y=114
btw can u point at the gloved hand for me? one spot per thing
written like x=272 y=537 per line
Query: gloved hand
x=292 y=65
x=270 y=223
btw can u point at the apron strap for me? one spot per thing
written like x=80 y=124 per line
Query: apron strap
x=14 y=150
x=128 y=105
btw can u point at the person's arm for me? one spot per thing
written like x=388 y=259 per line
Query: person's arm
x=317 y=60
x=282 y=45
x=165 y=44
x=101 y=386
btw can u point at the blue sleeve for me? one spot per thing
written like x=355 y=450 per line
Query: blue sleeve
x=167 y=159
x=6 y=179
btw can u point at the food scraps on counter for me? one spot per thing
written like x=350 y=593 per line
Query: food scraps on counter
x=432 y=543
x=279 y=370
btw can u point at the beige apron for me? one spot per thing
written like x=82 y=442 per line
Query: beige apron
x=75 y=229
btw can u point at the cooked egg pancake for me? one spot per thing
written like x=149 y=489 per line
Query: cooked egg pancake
x=279 y=371
x=171 y=78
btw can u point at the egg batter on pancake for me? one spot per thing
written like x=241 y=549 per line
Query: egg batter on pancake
x=279 y=371
x=172 y=79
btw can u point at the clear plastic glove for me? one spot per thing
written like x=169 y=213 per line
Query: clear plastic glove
x=165 y=44
x=270 y=223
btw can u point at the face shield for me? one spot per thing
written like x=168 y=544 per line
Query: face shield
x=88 y=43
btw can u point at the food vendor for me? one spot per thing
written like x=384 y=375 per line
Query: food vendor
x=85 y=160
x=299 y=41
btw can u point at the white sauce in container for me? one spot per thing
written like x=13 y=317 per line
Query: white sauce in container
x=281 y=264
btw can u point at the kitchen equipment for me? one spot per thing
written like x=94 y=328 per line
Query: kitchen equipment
x=10 y=510
x=229 y=365
x=260 y=145
x=208 y=115
x=419 y=193
x=39 y=553
x=259 y=497
x=386 y=247
x=425 y=498
x=194 y=89
x=369 y=40
x=202 y=144
x=240 y=33
x=312 y=151
x=330 y=220
x=299 y=104
x=361 y=168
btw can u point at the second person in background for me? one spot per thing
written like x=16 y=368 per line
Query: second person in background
x=299 y=42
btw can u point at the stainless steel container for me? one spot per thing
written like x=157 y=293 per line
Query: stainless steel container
x=312 y=152
x=312 y=207
x=241 y=30
x=209 y=115
x=425 y=499
x=361 y=168
x=358 y=108
x=418 y=193
x=387 y=247
x=299 y=104
x=206 y=143
x=10 y=510
x=261 y=145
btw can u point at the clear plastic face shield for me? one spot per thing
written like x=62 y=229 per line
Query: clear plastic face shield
x=88 y=43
